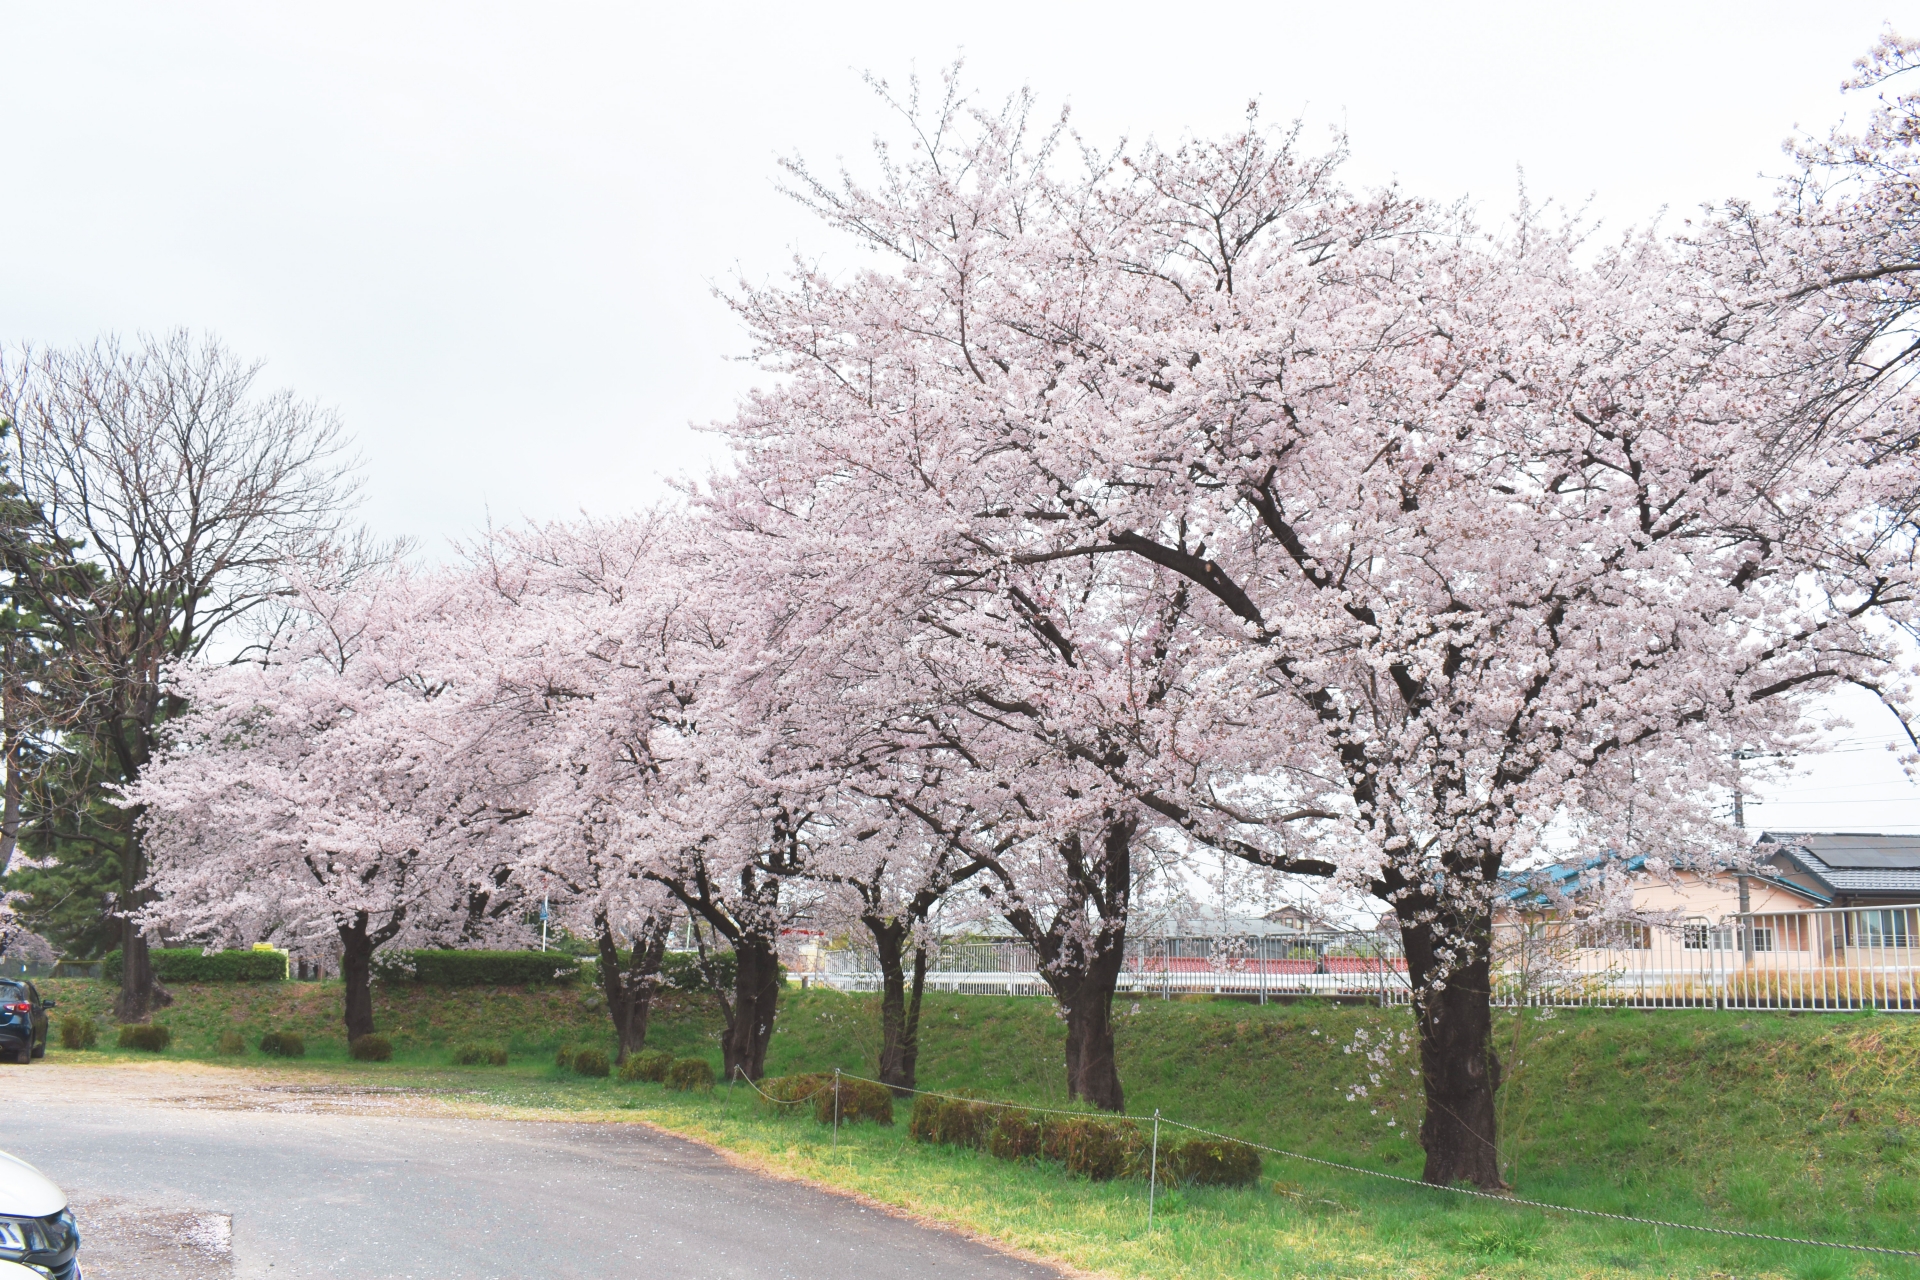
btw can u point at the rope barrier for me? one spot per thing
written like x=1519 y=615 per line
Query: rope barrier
x=1156 y=1119
x=1552 y=1208
x=780 y=1102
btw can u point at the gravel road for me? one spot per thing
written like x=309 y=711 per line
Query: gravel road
x=205 y=1174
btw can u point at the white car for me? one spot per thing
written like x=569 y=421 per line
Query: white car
x=37 y=1233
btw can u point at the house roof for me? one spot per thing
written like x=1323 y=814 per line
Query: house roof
x=1560 y=877
x=1850 y=861
x=1564 y=877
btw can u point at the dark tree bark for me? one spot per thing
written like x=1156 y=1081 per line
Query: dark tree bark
x=630 y=992
x=356 y=971
x=358 y=942
x=756 y=995
x=1081 y=959
x=1084 y=987
x=140 y=992
x=749 y=920
x=899 y=1010
x=1458 y=1066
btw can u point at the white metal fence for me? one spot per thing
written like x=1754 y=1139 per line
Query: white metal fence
x=1838 y=958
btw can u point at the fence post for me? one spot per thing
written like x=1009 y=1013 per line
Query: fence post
x=836 y=1108
x=1153 y=1168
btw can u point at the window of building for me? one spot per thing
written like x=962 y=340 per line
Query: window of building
x=1881 y=928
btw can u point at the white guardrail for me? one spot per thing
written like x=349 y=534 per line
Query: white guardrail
x=1837 y=958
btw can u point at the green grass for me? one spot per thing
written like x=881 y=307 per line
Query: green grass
x=1792 y=1125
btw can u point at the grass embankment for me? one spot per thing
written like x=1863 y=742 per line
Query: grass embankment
x=1788 y=1125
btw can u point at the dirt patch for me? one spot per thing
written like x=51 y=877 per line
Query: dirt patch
x=326 y=1099
x=123 y=1240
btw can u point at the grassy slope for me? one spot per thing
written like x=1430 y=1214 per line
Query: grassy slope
x=1788 y=1125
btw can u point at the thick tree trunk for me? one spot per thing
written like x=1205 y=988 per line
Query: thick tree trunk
x=1458 y=1066
x=1085 y=992
x=910 y=1047
x=899 y=1015
x=756 y=994
x=1081 y=959
x=140 y=992
x=356 y=973
x=630 y=993
x=10 y=761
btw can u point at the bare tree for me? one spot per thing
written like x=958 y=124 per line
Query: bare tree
x=192 y=496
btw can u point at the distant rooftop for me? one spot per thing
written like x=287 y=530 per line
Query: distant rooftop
x=1853 y=850
x=1853 y=861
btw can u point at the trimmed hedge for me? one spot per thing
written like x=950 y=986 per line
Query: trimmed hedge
x=477 y=968
x=793 y=1089
x=1016 y=1136
x=591 y=1062
x=964 y=1124
x=648 y=1064
x=926 y=1113
x=190 y=964
x=1096 y=1149
x=1087 y=1145
x=859 y=1100
x=563 y=1056
x=283 y=1044
x=1209 y=1162
x=371 y=1048
x=232 y=1043
x=78 y=1033
x=688 y=1074
x=142 y=1035
x=476 y=1055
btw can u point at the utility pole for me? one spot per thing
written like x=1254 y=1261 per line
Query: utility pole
x=1740 y=822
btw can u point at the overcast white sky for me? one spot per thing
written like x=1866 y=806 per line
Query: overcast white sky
x=488 y=233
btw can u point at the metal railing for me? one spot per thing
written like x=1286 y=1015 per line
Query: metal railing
x=1345 y=966
x=1830 y=959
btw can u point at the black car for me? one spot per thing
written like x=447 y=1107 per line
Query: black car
x=23 y=1021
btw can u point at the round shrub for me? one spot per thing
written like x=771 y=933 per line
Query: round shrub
x=964 y=1124
x=689 y=1074
x=1096 y=1149
x=148 y=1036
x=479 y=1055
x=1015 y=1136
x=563 y=1056
x=371 y=1048
x=648 y=1064
x=591 y=1062
x=792 y=1089
x=283 y=1044
x=859 y=1100
x=1209 y=1162
x=78 y=1033
x=232 y=1043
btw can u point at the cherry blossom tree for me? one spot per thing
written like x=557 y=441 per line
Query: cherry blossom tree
x=1448 y=538
x=979 y=710
x=588 y=672
x=355 y=785
x=642 y=783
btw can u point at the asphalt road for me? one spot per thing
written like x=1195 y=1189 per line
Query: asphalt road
x=290 y=1184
